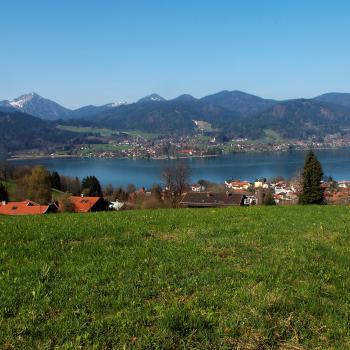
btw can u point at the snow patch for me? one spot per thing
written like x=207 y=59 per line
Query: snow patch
x=20 y=102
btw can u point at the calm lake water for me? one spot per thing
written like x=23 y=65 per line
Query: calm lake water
x=244 y=166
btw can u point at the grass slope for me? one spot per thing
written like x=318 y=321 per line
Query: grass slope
x=245 y=278
x=12 y=189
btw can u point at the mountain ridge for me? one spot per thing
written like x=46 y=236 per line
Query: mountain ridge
x=234 y=113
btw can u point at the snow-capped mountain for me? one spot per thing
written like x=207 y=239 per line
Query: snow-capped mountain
x=152 y=98
x=39 y=107
x=5 y=106
x=49 y=110
x=22 y=101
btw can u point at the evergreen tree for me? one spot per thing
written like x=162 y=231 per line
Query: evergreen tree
x=55 y=180
x=91 y=187
x=4 y=196
x=312 y=175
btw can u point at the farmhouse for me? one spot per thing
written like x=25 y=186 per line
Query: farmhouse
x=26 y=207
x=209 y=199
x=87 y=204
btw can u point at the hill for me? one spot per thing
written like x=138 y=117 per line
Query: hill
x=165 y=117
x=238 y=278
x=151 y=98
x=298 y=119
x=239 y=102
x=342 y=99
x=21 y=131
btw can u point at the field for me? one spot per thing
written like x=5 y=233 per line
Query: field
x=238 y=278
x=12 y=188
x=107 y=132
x=82 y=129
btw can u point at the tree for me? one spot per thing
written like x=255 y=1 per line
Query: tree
x=108 y=192
x=268 y=199
x=131 y=188
x=5 y=170
x=38 y=185
x=55 y=180
x=333 y=184
x=91 y=187
x=70 y=184
x=4 y=196
x=312 y=174
x=120 y=194
x=176 y=180
x=66 y=205
x=204 y=183
x=156 y=191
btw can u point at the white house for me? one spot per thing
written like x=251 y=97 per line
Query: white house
x=116 y=205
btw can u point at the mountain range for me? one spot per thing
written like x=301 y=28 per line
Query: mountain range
x=46 y=109
x=232 y=113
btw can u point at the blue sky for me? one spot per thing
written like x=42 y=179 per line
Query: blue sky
x=93 y=52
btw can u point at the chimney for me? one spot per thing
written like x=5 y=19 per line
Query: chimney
x=82 y=195
x=3 y=202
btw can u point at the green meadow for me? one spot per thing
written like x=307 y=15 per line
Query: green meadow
x=237 y=278
x=107 y=132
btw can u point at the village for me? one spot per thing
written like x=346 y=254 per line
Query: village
x=203 y=144
x=196 y=146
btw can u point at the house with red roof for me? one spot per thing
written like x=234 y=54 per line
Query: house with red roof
x=84 y=204
x=26 y=207
x=237 y=185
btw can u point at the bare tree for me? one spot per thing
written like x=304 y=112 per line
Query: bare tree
x=131 y=188
x=176 y=179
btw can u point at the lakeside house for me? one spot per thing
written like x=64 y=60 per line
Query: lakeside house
x=238 y=185
x=213 y=200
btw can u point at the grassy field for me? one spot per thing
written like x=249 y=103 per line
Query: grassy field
x=11 y=187
x=142 y=134
x=107 y=132
x=238 y=278
x=83 y=129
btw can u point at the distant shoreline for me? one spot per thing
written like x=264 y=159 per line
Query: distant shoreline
x=23 y=157
x=63 y=156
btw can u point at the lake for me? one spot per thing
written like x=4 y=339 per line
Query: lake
x=244 y=166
